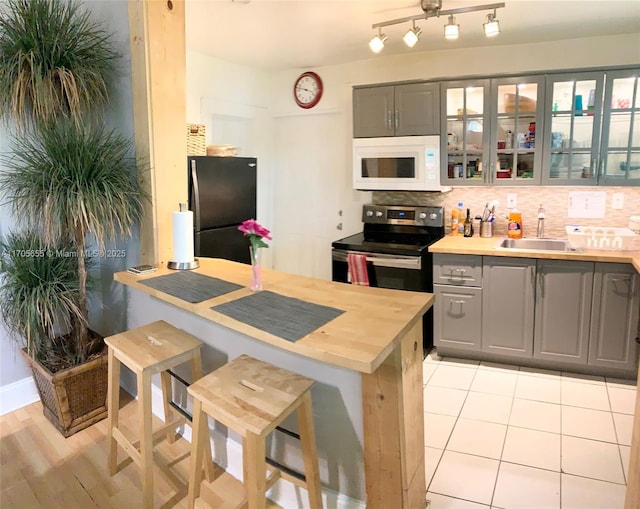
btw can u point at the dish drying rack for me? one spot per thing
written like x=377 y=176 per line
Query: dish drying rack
x=599 y=237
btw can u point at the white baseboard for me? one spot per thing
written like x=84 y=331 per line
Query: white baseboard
x=17 y=395
x=283 y=493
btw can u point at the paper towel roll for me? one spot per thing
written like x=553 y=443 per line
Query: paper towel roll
x=183 y=236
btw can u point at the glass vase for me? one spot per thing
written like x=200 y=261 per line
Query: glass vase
x=256 y=268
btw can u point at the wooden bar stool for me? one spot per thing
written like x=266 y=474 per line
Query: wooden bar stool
x=147 y=350
x=252 y=398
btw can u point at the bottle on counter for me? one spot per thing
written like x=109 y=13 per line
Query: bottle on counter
x=454 y=222
x=460 y=219
x=468 y=227
x=514 y=226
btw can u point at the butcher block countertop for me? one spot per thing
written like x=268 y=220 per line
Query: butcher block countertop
x=374 y=322
x=487 y=247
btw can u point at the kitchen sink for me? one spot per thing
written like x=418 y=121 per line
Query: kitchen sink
x=536 y=244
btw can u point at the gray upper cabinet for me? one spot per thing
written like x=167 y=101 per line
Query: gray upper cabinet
x=620 y=145
x=466 y=121
x=508 y=300
x=614 y=319
x=563 y=310
x=410 y=109
x=592 y=133
x=491 y=127
x=572 y=134
x=516 y=131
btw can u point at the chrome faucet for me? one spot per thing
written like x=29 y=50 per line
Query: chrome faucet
x=540 y=231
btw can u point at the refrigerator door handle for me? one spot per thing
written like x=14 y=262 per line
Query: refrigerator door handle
x=195 y=205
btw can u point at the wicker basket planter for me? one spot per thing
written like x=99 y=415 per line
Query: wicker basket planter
x=75 y=398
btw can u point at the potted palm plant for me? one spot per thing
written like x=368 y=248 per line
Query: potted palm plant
x=54 y=61
x=71 y=182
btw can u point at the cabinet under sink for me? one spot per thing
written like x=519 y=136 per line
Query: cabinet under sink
x=555 y=314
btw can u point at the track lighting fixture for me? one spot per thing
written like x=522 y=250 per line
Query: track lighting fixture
x=377 y=43
x=433 y=9
x=412 y=36
x=492 y=26
x=451 y=29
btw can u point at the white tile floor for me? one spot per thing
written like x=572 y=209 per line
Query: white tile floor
x=504 y=437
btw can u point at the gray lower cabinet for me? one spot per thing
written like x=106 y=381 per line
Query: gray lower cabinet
x=508 y=301
x=614 y=317
x=458 y=317
x=563 y=310
x=556 y=311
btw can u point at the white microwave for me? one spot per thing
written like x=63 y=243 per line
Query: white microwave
x=402 y=163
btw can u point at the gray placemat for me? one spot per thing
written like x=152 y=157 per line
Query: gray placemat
x=191 y=286
x=276 y=314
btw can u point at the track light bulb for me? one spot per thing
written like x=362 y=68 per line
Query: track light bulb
x=451 y=29
x=377 y=43
x=412 y=36
x=492 y=26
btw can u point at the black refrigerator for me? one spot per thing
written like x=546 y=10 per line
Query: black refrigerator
x=222 y=194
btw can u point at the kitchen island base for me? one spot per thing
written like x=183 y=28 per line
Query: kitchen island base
x=367 y=363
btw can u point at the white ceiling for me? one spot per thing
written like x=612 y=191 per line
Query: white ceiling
x=272 y=34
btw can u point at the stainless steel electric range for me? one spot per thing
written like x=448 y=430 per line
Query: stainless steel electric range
x=395 y=240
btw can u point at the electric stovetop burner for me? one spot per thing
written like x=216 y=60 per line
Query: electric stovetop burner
x=396 y=229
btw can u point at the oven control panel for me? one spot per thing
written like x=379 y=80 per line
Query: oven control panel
x=403 y=215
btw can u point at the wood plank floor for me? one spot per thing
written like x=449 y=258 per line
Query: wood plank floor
x=41 y=469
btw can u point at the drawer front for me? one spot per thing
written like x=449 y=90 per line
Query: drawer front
x=457 y=317
x=459 y=270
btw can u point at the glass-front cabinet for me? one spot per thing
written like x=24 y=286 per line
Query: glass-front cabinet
x=580 y=128
x=466 y=107
x=516 y=153
x=574 y=110
x=620 y=146
x=593 y=136
x=491 y=130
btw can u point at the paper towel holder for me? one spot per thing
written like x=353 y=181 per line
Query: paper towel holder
x=193 y=264
x=184 y=265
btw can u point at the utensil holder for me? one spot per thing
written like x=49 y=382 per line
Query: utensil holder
x=486 y=229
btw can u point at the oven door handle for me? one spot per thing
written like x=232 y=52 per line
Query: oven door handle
x=381 y=260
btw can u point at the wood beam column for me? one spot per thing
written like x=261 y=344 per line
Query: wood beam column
x=158 y=73
x=632 y=500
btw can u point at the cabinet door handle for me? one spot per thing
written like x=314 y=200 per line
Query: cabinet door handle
x=532 y=273
x=461 y=271
x=390 y=120
x=541 y=283
x=617 y=279
x=458 y=301
x=600 y=172
x=397 y=118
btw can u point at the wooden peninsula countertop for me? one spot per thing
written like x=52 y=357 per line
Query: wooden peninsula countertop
x=378 y=337
x=373 y=324
x=488 y=247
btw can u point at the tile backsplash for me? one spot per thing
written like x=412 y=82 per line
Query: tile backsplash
x=555 y=201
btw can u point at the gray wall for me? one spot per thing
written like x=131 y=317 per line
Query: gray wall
x=107 y=302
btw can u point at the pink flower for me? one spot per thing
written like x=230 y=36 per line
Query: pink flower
x=255 y=232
